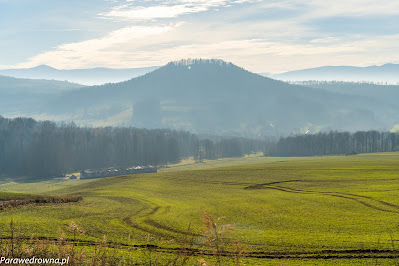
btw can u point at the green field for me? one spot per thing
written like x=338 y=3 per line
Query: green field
x=340 y=210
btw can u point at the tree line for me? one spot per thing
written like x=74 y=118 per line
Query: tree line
x=225 y=148
x=334 y=142
x=45 y=149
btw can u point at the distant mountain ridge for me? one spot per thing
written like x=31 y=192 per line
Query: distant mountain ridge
x=90 y=76
x=385 y=73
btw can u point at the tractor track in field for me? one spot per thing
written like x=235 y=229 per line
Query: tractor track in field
x=170 y=229
x=150 y=222
x=353 y=197
x=129 y=221
x=260 y=186
x=319 y=254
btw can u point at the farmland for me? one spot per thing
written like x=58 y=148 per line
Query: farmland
x=290 y=211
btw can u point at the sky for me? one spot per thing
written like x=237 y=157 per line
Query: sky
x=261 y=36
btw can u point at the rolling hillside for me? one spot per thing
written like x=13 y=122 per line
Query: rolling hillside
x=338 y=210
x=25 y=96
x=215 y=97
x=387 y=93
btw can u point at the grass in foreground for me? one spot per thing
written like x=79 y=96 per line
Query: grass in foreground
x=295 y=211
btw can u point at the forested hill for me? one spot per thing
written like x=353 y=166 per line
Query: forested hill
x=335 y=143
x=381 y=91
x=215 y=97
x=24 y=96
x=13 y=85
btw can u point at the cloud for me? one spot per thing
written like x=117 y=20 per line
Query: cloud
x=149 y=13
x=272 y=35
x=257 y=54
x=150 y=46
x=323 y=9
x=166 y=9
x=354 y=7
x=105 y=51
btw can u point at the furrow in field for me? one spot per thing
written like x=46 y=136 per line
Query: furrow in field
x=367 y=197
x=167 y=228
x=258 y=186
x=129 y=220
x=373 y=203
x=152 y=226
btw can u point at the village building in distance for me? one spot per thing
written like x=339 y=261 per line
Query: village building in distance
x=116 y=171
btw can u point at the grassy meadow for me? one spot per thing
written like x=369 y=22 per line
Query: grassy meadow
x=340 y=210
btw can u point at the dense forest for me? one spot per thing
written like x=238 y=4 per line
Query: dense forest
x=226 y=147
x=378 y=90
x=335 y=143
x=46 y=149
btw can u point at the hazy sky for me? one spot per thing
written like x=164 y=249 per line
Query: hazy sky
x=261 y=36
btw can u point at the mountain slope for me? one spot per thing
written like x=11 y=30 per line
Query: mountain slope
x=215 y=97
x=385 y=73
x=386 y=93
x=25 y=95
x=92 y=76
x=35 y=85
